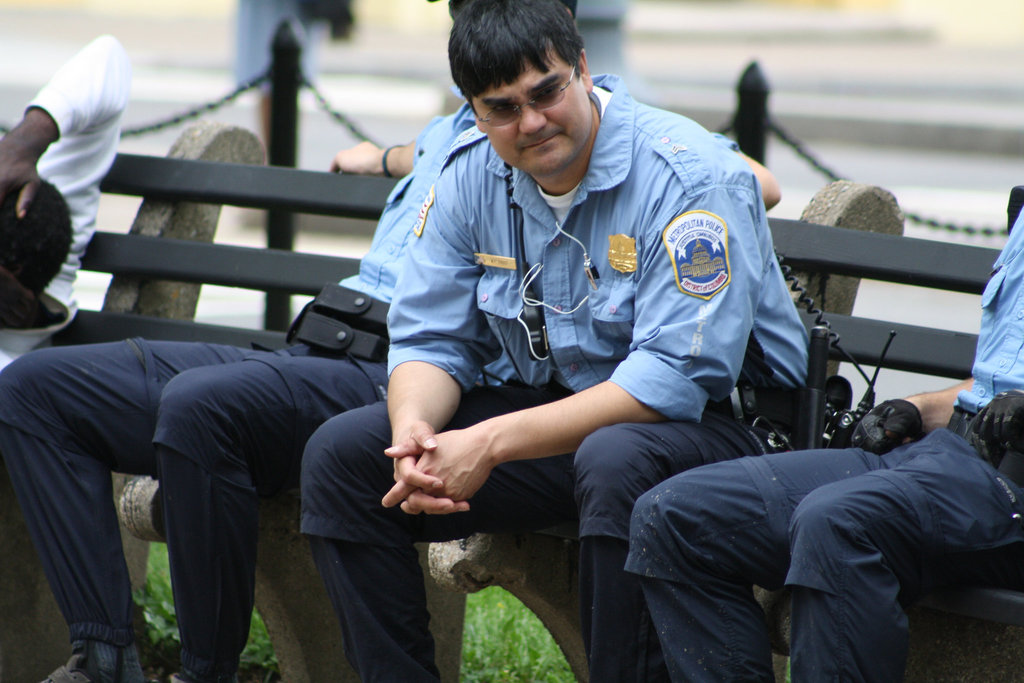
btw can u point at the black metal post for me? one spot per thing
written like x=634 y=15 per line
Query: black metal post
x=285 y=78
x=751 y=121
x=1013 y=207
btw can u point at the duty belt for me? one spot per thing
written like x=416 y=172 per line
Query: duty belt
x=343 y=321
x=748 y=403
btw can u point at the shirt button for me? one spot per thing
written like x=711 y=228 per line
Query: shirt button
x=981 y=391
x=1002 y=363
x=574 y=367
x=558 y=307
x=613 y=309
x=1020 y=314
x=557 y=241
x=484 y=298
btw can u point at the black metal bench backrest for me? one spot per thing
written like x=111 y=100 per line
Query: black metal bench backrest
x=900 y=260
x=805 y=246
x=266 y=270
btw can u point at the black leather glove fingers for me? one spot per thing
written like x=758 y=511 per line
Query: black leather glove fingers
x=1000 y=424
x=888 y=425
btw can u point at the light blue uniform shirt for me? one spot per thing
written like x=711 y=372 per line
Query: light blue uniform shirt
x=378 y=270
x=998 y=361
x=674 y=224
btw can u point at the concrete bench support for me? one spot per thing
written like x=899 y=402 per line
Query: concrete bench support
x=290 y=595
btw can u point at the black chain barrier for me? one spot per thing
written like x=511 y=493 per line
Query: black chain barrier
x=196 y=112
x=806 y=155
x=219 y=103
x=337 y=115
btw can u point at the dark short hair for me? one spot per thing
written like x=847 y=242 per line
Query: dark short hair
x=456 y=5
x=493 y=41
x=36 y=246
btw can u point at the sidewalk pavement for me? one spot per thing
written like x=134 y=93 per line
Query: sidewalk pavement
x=836 y=75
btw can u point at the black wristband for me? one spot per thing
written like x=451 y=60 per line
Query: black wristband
x=384 y=162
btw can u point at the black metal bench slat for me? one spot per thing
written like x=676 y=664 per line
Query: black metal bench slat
x=181 y=260
x=942 y=353
x=266 y=187
x=990 y=604
x=90 y=327
x=890 y=258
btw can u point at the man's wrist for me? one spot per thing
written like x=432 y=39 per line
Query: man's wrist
x=384 y=161
x=36 y=131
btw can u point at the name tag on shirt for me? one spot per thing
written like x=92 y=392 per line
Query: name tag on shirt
x=493 y=261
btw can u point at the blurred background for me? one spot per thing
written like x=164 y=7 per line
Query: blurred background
x=922 y=97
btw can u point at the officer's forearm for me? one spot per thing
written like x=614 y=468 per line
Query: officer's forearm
x=937 y=407
x=561 y=426
x=420 y=392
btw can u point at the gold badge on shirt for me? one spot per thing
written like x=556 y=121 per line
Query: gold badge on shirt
x=622 y=253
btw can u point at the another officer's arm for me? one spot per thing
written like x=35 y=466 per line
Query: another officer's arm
x=899 y=421
x=936 y=407
x=771 y=191
x=367 y=158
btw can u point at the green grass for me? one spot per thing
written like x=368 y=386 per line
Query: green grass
x=503 y=642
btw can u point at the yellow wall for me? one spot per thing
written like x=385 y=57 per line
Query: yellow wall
x=839 y=4
x=979 y=22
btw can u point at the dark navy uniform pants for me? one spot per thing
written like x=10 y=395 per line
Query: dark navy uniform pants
x=857 y=537
x=365 y=552
x=220 y=425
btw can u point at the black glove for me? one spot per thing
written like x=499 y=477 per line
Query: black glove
x=999 y=426
x=888 y=425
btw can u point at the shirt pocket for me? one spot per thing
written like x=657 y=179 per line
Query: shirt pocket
x=995 y=283
x=497 y=296
x=612 y=310
x=398 y=191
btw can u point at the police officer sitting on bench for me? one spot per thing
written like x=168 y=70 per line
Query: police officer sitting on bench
x=620 y=257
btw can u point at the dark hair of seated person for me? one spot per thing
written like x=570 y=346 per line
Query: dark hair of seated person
x=33 y=248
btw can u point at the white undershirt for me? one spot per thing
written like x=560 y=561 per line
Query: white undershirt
x=85 y=98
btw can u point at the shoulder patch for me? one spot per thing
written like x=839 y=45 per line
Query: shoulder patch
x=698 y=245
x=464 y=140
x=421 y=220
x=469 y=133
